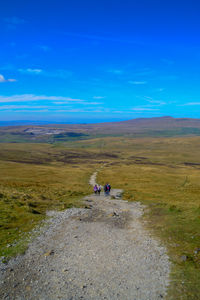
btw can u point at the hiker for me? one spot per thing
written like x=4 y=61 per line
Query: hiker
x=95 y=189
x=99 y=190
x=109 y=187
x=106 y=189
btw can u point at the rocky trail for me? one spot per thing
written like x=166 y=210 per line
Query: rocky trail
x=100 y=252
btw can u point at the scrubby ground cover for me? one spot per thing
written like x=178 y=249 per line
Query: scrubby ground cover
x=35 y=178
x=164 y=174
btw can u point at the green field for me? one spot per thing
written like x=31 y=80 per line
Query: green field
x=38 y=177
x=162 y=173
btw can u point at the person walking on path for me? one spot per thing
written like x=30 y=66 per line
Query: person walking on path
x=99 y=190
x=95 y=189
x=107 y=188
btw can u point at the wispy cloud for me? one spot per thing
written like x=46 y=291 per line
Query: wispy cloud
x=92 y=103
x=82 y=102
x=116 y=71
x=138 y=82
x=190 y=104
x=144 y=72
x=98 y=97
x=64 y=74
x=153 y=101
x=11 y=107
x=32 y=98
x=53 y=101
x=120 y=111
x=159 y=89
x=144 y=109
x=78 y=110
x=2 y=79
x=30 y=71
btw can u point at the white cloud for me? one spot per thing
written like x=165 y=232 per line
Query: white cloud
x=11 y=80
x=32 y=97
x=138 y=82
x=98 y=97
x=8 y=107
x=74 y=110
x=2 y=79
x=79 y=110
x=54 y=74
x=57 y=100
x=64 y=74
x=144 y=72
x=190 y=103
x=143 y=109
x=118 y=111
x=82 y=102
x=151 y=100
x=92 y=103
x=29 y=70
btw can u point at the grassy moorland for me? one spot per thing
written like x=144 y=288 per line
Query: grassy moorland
x=162 y=173
x=37 y=177
x=141 y=127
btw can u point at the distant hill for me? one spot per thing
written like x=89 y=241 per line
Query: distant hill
x=142 y=127
x=135 y=125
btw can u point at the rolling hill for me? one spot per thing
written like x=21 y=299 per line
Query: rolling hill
x=141 y=127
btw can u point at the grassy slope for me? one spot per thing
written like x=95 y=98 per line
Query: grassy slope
x=163 y=173
x=159 y=174
x=152 y=127
x=35 y=178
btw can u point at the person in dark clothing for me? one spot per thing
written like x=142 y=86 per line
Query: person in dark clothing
x=99 y=190
x=105 y=189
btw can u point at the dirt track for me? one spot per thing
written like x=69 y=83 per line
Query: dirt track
x=100 y=252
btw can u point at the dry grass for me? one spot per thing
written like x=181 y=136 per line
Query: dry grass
x=27 y=190
x=163 y=173
x=155 y=173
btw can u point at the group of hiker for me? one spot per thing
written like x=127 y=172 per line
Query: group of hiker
x=97 y=189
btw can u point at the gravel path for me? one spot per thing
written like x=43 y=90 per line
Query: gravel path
x=100 y=252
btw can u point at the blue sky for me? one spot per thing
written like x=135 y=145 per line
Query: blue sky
x=99 y=60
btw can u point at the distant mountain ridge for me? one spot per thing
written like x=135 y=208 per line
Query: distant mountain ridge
x=142 y=127
x=165 y=121
x=156 y=123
